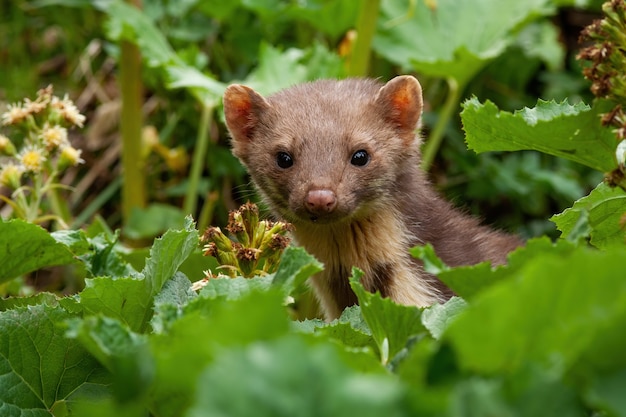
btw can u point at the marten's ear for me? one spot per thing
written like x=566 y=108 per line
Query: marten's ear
x=242 y=107
x=401 y=102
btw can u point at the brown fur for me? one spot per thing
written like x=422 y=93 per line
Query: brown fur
x=347 y=215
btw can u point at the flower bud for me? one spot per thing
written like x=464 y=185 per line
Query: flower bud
x=6 y=146
x=69 y=157
x=11 y=176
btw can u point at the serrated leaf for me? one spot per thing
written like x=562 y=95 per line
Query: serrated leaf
x=569 y=131
x=392 y=324
x=40 y=370
x=554 y=310
x=167 y=254
x=46 y=298
x=296 y=266
x=130 y=299
x=25 y=247
x=438 y=317
x=470 y=281
x=234 y=288
x=602 y=213
x=169 y=303
x=444 y=41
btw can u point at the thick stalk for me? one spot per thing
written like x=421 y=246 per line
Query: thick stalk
x=199 y=156
x=365 y=29
x=436 y=136
x=133 y=187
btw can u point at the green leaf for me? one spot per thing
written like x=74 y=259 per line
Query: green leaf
x=281 y=69
x=235 y=288
x=444 y=41
x=25 y=247
x=130 y=299
x=392 y=324
x=40 y=369
x=469 y=281
x=606 y=392
x=554 y=310
x=331 y=17
x=438 y=317
x=601 y=213
x=121 y=351
x=287 y=377
x=46 y=298
x=569 y=131
x=127 y=22
x=170 y=302
x=196 y=339
x=295 y=267
x=168 y=253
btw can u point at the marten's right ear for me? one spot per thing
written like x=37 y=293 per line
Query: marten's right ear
x=242 y=107
x=400 y=100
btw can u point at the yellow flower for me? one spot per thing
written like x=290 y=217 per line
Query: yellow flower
x=70 y=157
x=15 y=114
x=6 y=146
x=32 y=159
x=10 y=176
x=54 y=136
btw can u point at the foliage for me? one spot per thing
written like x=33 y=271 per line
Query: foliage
x=541 y=335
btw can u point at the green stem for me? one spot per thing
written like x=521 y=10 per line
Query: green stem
x=365 y=29
x=133 y=188
x=436 y=136
x=199 y=156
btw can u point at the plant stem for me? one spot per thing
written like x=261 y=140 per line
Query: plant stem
x=199 y=156
x=133 y=188
x=436 y=136
x=365 y=29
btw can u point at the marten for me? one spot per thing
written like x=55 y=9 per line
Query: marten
x=340 y=160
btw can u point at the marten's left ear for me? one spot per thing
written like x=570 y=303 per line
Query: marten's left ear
x=401 y=102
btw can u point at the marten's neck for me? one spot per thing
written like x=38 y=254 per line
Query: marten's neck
x=378 y=245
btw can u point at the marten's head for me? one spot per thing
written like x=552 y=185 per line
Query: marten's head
x=328 y=150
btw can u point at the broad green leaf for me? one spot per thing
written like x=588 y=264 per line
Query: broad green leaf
x=287 y=377
x=432 y=263
x=196 y=339
x=170 y=302
x=25 y=247
x=168 y=253
x=438 y=317
x=46 y=298
x=235 y=288
x=469 y=281
x=602 y=213
x=121 y=351
x=127 y=22
x=606 y=392
x=41 y=370
x=554 y=310
x=130 y=299
x=281 y=69
x=105 y=257
x=392 y=324
x=333 y=17
x=444 y=41
x=569 y=131
x=295 y=267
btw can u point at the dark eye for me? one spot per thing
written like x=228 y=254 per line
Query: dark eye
x=360 y=158
x=284 y=160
